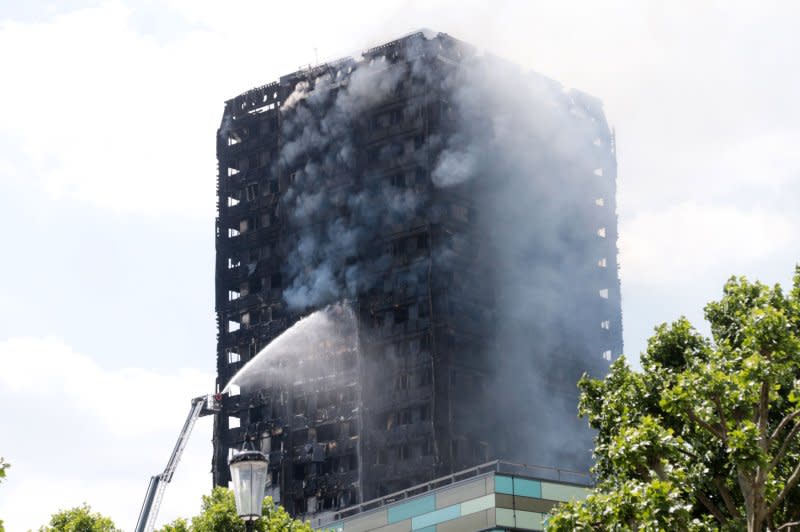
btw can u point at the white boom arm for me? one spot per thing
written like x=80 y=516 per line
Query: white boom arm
x=158 y=483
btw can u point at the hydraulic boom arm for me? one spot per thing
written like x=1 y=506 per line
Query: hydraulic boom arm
x=158 y=483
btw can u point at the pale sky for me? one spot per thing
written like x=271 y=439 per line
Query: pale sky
x=107 y=172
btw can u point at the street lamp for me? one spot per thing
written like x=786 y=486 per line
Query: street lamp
x=249 y=475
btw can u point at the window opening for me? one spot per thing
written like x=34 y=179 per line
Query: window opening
x=233 y=357
x=251 y=192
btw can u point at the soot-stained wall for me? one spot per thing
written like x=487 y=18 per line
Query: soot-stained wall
x=466 y=212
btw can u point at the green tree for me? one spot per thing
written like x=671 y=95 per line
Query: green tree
x=218 y=514
x=705 y=437
x=178 y=525
x=3 y=467
x=79 y=519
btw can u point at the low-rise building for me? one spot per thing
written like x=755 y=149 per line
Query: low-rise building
x=491 y=497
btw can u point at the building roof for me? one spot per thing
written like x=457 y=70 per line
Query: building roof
x=490 y=496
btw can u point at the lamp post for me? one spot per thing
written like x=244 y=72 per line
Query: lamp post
x=249 y=475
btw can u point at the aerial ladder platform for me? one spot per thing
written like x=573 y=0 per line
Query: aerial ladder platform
x=201 y=406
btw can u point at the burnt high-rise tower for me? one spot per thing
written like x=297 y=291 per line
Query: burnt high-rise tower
x=465 y=211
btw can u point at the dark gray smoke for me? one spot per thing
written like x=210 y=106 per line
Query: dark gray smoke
x=336 y=220
x=528 y=153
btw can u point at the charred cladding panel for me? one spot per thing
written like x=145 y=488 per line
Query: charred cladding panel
x=465 y=212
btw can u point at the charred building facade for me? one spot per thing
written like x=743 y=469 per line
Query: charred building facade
x=464 y=211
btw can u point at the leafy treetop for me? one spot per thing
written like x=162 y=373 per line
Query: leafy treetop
x=705 y=437
x=218 y=514
x=3 y=467
x=79 y=519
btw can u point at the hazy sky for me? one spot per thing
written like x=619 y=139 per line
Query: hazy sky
x=107 y=171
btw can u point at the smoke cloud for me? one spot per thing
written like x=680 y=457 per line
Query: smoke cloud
x=531 y=147
x=537 y=162
x=334 y=220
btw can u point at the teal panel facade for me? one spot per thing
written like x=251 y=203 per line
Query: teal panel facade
x=518 y=486
x=413 y=508
x=457 y=507
x=503 y=485
x=431 y=519
x=527 y=488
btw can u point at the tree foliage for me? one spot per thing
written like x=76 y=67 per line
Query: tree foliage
x=79 y=519
x=705 y=437
x=218 y=514
x=178 y=525
x=3 y=467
